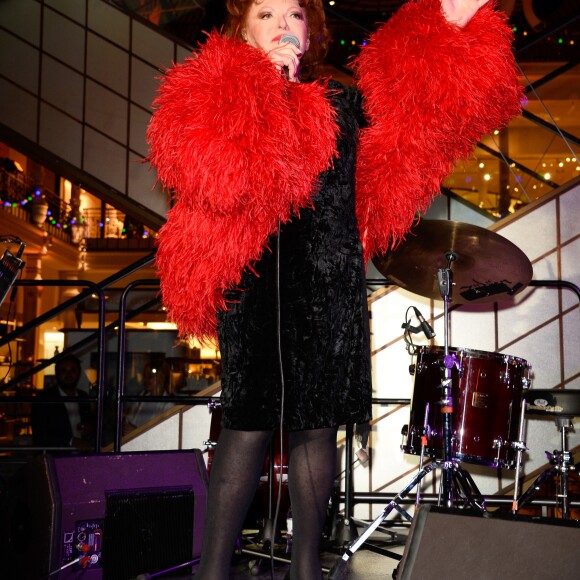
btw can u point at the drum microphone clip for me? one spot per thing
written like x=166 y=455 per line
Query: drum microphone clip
x=425 y=327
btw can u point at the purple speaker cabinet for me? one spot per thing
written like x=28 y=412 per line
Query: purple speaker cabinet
x=122 y=514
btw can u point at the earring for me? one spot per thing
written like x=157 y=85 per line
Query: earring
x=244 y=36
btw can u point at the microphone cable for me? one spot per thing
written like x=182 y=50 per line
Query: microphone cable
x=282 y=401
x=410 y=346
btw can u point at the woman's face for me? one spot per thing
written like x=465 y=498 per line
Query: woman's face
x=268 y=20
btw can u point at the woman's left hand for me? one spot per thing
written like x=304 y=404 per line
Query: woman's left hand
x=460 y=12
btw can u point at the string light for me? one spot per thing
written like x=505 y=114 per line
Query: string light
x=37 y=194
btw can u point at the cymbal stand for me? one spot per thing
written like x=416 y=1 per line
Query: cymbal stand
x=520 y=447
x=452 y=472
x=445 y=280
x=562 y=463
x=464 y=483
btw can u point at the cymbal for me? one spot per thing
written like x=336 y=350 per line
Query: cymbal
x=485 y=266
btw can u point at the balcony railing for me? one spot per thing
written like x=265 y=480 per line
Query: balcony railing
x=29 y=202
x=101 y=228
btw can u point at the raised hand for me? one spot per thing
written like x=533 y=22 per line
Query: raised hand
x=460 y=12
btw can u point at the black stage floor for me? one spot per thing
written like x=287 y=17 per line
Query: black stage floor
x=445 y=545
x=363 y=565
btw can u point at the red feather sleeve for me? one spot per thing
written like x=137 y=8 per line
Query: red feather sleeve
x=241 y=149
x=431 y=91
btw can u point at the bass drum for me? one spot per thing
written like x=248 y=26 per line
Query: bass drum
x=486 y=388
x=261 y=508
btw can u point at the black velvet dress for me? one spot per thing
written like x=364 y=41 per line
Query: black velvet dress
x=306 y=300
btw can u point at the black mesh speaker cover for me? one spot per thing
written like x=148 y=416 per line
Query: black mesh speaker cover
x=452 y=545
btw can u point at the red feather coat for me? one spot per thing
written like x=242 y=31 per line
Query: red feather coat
x=242 y=149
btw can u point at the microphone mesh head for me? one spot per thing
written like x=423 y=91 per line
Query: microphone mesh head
x=289 y=38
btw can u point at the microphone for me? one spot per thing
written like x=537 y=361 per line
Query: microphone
x=292 y=40
x=425 y=326
x=289 y=38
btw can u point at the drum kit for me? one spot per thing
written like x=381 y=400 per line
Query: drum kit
x=466 y=403
x=468 y=406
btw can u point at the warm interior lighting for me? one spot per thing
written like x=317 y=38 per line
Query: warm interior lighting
x=161 y=326
x=11 y=166
x=10 y=265
x=52 y=342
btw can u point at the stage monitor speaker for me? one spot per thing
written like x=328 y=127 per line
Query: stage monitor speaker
x=122 y=514
x=453 y=545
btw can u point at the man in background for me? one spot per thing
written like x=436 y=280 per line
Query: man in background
x=61 y=423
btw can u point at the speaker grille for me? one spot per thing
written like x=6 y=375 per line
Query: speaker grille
x=456 y=544
x=147 y=532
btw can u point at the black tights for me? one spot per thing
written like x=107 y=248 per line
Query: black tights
x=235 y=473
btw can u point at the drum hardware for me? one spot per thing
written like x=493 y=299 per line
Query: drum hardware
x=484 y=279
x=210 y=444
x=464 y=257
x=214 y=405
x=445 y=278
x=215 y=408
x=478 y=274
x=564 y=406
x=424 y=327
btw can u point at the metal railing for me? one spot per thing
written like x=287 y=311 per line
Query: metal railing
x=98 y=338
x=37 y=205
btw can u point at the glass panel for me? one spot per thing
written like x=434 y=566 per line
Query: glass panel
x=108 y=64
x=64 y=40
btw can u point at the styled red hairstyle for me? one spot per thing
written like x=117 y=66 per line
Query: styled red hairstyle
x=317 y=31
